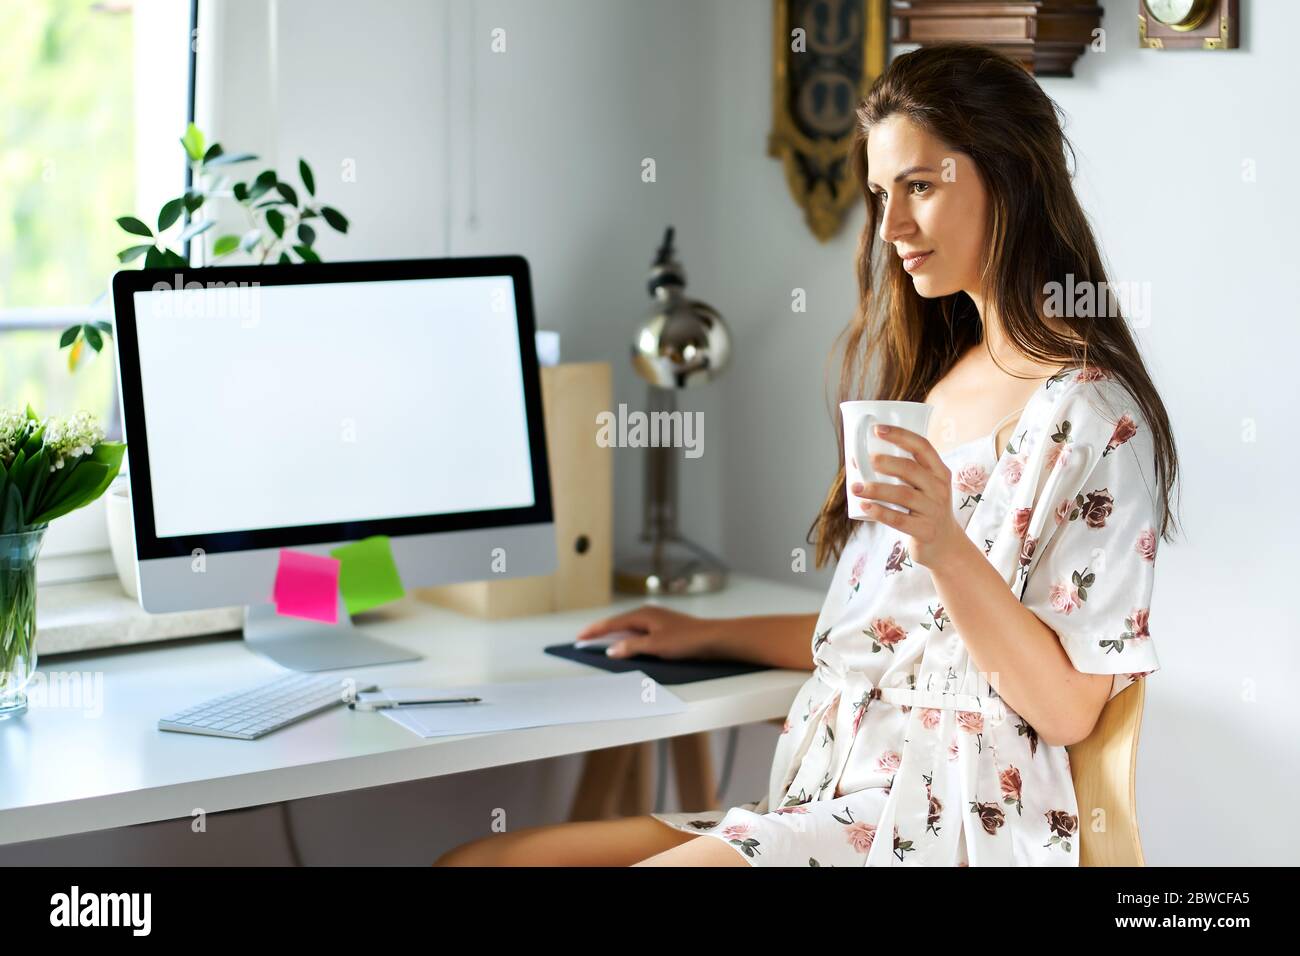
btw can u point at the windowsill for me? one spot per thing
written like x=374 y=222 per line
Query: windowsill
x=89 y=615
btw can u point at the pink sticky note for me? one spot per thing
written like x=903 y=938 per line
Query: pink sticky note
x=307 y=586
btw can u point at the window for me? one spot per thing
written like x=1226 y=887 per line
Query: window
x=92 y=103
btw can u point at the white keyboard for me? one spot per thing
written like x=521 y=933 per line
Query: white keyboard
x=250 y=713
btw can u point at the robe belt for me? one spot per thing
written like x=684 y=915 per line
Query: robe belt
x=854 y=685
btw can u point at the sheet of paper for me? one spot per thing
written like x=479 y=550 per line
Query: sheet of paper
x=307 y=585
x=543 y=703
x=368 y=577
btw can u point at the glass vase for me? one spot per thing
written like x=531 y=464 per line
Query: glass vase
x=17 y=617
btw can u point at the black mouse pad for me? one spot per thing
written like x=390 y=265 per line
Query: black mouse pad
x=661 y=671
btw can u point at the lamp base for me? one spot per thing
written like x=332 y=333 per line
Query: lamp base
x=672 y=566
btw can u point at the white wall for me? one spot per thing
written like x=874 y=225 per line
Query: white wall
x=460 y=151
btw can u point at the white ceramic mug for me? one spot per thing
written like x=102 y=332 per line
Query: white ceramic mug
x=861 y=442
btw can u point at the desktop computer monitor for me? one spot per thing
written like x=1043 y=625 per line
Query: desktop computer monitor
x=306 y=406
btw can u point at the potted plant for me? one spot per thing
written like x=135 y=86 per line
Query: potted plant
x=282 y=222
x=48 y=467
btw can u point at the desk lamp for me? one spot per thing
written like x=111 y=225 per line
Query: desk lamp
x=680 y=343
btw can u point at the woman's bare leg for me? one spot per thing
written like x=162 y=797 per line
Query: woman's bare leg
x=582 y=843
x=698 y=851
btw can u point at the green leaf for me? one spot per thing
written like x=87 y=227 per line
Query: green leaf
x=334 y=218
x=132 y=252
x=52 y=487
x=93 y=338
x=109 y=454
x=275 y=219
x=75 y=491
x=135 y=226
x=225 y=245
x=36 y=482
x=256 y=191
x=197 y=229
x=11 y=519
x=308 y=213
x=170 y=212
x=250 y=240
x=308 y=179
x=288 y=193
x=154 y=259
x=193 y=200
x=240 y=192
x=306 y=253
x=105 y=327
x=34 y=441
x=230 y=159
x=24 y=476
x=174 y=259
x=213 y=152
x=89 y=478
x=69 y=336
x=193 y=143
x=265 y=178
x=306 y=233
x=277 y=201
x=285 y=260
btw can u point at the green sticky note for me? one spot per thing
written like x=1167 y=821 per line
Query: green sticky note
x=368 y=574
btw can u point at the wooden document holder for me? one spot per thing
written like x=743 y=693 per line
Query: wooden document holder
x=582 y=491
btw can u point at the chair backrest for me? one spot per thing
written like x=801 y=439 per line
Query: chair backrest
x=1104 y=768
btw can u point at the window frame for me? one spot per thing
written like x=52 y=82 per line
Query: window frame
x=76 y=546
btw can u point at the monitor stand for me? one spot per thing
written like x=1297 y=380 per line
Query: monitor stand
x=303 y=645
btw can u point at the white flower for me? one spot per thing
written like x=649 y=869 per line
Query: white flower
x=71 y=437
x=14 y=429
x=63 y=439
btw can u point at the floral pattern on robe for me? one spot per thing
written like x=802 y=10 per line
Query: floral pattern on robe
x=897 y=752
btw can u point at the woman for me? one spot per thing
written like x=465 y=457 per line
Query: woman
x=965 y=643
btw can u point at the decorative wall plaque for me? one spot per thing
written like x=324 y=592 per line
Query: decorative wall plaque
x=825 y=56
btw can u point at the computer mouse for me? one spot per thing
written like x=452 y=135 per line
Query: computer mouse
x=602 y=641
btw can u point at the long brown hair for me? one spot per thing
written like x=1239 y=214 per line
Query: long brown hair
x=983 y=104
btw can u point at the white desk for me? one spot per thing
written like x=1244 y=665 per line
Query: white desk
x=65 y=771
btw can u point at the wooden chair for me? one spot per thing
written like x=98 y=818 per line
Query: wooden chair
x=1104 y=768
x=617 y=781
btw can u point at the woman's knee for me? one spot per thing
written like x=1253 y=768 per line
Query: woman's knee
x=588 y=843
x=532 y=846
x=485 y=851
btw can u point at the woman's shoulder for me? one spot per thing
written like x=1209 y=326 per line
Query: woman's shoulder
x=1092 y=390
x=1096 y=411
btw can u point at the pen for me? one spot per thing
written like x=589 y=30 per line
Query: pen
x=388 y=704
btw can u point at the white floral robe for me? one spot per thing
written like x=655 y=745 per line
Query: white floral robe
x=896 y=732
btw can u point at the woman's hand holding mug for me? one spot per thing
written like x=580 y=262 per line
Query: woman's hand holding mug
x=932 y=534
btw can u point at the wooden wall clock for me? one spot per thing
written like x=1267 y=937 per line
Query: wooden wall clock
x=1187 y=24
x=825 y=56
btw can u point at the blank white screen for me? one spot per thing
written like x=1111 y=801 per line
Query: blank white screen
x=290 y=405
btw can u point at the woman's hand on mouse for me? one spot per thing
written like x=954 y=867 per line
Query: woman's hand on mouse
x=932 y=534
x=664 y=633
